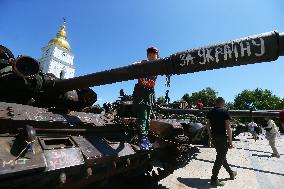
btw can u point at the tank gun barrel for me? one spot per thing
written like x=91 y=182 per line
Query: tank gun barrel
x=233 y=113
x=259 y=48
x=248 y=113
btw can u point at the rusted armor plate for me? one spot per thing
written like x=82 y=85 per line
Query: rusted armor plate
x=16 y=115
x=111 y=149
x=164 y=127
x=90 y=152
x=29 y=162
x=63 y=158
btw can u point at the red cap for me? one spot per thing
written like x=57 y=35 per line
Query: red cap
x=152 y=50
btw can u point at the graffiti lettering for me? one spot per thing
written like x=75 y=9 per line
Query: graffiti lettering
x=202 y=53
x=183 y=58
x=208 y=55
x=234 y=50
x=57 y=155
x=186 y=59
x=262 y=48
x=243 y=49
x=58 y=159
x=11 y=162
x=228 y=51
x=20 y=161
x=218 y=51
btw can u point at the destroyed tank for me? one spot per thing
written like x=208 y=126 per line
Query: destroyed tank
x=46 y=139
x=193 y=121
x=48 y=131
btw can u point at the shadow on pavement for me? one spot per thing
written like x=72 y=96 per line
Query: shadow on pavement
x=196 y=183
x=253 y=150
x=256 y=151
x=265 y=156
x=249 y=168
x=121 y=182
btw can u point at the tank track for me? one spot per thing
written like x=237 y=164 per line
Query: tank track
x=176 y=156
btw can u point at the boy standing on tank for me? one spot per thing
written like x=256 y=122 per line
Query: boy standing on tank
x=143 y=99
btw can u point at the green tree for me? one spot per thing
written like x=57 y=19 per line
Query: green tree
x=258 y=99
x=207 y=96
x=230 y=105
x=186 y=97
x=161 y=100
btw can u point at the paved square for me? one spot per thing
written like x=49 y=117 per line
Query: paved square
x=252 y=161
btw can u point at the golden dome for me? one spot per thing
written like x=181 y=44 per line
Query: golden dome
x=61 y=39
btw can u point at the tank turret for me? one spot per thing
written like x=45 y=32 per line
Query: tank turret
x=25 y=83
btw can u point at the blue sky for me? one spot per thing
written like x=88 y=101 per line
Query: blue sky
x=107 y=34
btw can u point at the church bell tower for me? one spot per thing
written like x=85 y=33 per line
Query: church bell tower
x=56 y=56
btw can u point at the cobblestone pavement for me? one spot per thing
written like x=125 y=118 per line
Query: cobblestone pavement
x=252 y=161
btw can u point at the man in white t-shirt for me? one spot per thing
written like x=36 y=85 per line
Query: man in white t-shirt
x=270 y=135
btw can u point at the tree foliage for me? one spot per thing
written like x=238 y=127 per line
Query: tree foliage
x=229 y=105
x=258 y=99
x=186 y=97
x=207 y=96
x=161 y=100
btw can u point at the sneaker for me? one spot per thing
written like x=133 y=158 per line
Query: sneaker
x=144 y=144
x=233 y=175
x=217 y=183
x=149 y=143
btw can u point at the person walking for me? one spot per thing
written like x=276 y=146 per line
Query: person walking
x=270 y=135
x=252 y=129
x=219 y=132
